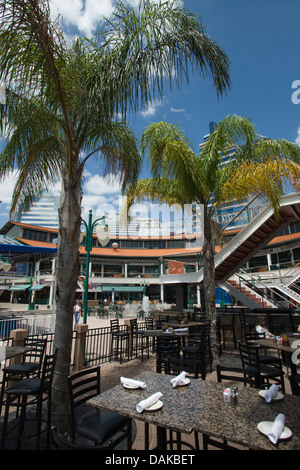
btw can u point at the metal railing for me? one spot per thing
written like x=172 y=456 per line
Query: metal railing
x=97 y=343
x=35 y=324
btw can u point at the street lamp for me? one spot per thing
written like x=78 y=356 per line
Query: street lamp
x=5 y=265
x=103 y=235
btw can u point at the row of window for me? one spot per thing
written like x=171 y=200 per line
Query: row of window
x=39 y=235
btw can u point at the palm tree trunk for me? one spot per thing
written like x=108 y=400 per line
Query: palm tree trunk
x=67 y=275
x=209 y=283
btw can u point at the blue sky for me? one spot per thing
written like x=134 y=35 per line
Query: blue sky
x=261 y=40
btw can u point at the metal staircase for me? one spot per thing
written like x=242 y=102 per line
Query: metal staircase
x=247 y=243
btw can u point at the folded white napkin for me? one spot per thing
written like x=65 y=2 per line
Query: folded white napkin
x=181 y=330
x=148 y=402
x=277 y=428
x=180 y=379
x=271 y=393
x=132 y=382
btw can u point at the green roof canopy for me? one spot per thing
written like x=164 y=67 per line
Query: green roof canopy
x=39 y=286
x=120 y=289
x=20 y=287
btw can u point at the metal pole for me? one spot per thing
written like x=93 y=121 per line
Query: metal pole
x=88 y=246
x=88 y=237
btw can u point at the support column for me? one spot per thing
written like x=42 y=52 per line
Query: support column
x=81 y=331
x=18 y=337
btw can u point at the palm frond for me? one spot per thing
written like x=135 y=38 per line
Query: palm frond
x=149 y=48
x=266 y=177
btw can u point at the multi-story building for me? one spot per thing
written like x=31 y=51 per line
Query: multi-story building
x=43 y=211
x=136 y=257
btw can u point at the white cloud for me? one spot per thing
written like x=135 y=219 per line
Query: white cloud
x=151 y=109
x=83 y=15
x=180 y=110
x=100 y=194
x=99 y=185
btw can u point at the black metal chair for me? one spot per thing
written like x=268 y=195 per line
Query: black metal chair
x=235 y=374
x=230 y=326
x=265 y=374
x=245 y=326
x=195 y=351
x=196 y=339
x=275 y=328
x=175 y=365
x=60 y=442
x=30 y=366
x=264 y=358
x=166 y=346
x=151 y=326
x=28 y=392
x=99 y=426
x=139 y=342
x=118 y=337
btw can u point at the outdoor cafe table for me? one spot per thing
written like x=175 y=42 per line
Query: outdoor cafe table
x=7 y=352
x=272 y=344
x=199 y=407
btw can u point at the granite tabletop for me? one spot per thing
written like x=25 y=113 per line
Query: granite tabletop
x=199 y=406
x=7 y=352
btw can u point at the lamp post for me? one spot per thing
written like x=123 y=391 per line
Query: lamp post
x=103 y=237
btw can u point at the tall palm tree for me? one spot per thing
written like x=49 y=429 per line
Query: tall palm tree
x=180 y=176
x=61 y=108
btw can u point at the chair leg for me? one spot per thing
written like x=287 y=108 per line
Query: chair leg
x=2 y=391
x=146 y=436
x=4 y=425
x=129 y=436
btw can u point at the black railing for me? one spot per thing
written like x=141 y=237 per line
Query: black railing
x=97 y=345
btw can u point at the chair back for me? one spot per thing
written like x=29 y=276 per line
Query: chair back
x=114 y=325
x=133 y=324
x=149 y=323
x=82 y=385
x=176 y=365
x=199 y=315
x=235 y=374
x=198 y=338
x=249 y=355
x=164 y=318
x=37 y=348
x=167 y=346
x=49 y=368
x=253 y=335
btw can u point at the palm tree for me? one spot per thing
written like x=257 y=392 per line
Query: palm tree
x=180 y=176
x=61 y=108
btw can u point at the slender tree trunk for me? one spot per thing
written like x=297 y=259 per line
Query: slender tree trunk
x=209 y=283
x=67 y=275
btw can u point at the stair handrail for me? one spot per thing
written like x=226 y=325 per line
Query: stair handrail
x=253 y=287
x=295 y=289
x=292 y=270
x=262 y=293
